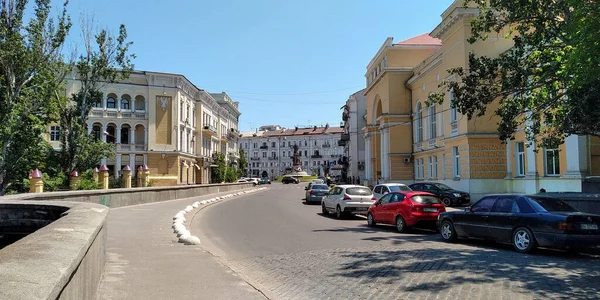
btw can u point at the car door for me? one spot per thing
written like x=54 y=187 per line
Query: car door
x=430 y=188
x=474 y=223
x=379 y=211
x=397 y=206
x=502 y=218
x=377 y=192
x=417 y=187
x=334 y=194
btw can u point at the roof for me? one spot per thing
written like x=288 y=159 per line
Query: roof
x=423 y=39
x=304 y=131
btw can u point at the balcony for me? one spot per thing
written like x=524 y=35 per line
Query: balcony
x=342 y=143
x=232 y=134
x=273 y=157
x=131 y=147
x=326 y=146
x=345 y=137
x=233 y=154
x=316 y=156
x=264 y=147
x=336 y=155
x=118 y=114
x=209 y=130
x=254 y=158
x=454 y=128
x=224 y=137
x=432 y=143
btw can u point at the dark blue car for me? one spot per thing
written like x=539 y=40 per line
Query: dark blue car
x=525 y=221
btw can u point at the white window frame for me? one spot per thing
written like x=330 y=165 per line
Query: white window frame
x=520 y=159
x=54 y=133
x=453 y=110
x=419 y=125
x=455 y=162
x=555 y=162
x=435 y=167
x=432 y=117
x=444 y=166
x=430 y=167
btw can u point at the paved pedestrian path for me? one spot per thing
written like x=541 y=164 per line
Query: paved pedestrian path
x=145 y=261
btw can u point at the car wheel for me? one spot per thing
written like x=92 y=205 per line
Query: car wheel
x=447 y=202
x=523 y=240
x=371 y=220
x=447 y=231
x=324 y=210
x=400 y=224
x=338 y=212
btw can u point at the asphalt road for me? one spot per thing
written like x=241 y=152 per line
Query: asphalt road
x=289 y=250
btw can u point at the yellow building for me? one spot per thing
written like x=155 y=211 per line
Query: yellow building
x=165 y=122
x=408 y=141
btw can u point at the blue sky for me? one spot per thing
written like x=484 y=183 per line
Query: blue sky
x=286 y=62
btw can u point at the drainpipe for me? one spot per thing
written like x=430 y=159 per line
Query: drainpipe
x=412 y=130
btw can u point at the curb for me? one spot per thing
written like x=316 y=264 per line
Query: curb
x=183 y=234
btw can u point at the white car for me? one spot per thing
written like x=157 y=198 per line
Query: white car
x=347 y=199
x=382 y=189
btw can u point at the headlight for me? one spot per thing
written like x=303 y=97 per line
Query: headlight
x=457 y=195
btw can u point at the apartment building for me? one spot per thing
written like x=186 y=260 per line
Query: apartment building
x=163 y=121
x=270 y=150
x=354 y=118
x=408 y=141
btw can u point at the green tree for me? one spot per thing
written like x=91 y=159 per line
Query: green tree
x=218 y=174
x=242 y=164
x=547 y=82
x=30 y=80
x=105 y=60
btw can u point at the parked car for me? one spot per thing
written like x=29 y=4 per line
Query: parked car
x=448 y=195
x=347 y=199
x=384 y=188
x=525 y=221
x=264 y=180
x=289 y=179
x=253 y=180
x=242 y=180
x=406 y=209
x=315 y=192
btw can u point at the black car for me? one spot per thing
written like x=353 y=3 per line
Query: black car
x=289 y=179
x=525 y=221
x=448 y=195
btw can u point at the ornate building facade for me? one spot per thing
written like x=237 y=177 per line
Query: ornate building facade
x=165 y=122
x=270 y=150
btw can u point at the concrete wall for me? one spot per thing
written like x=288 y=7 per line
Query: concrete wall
x=65 y=259
x=125 y=197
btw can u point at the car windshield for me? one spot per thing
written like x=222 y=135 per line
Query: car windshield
x=443 y=187
x=426 y=199
x=319 y=187
x=543 y=204
x=395 y=188
x=359 y=191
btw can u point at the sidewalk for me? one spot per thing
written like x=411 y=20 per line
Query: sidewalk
x=145 y=261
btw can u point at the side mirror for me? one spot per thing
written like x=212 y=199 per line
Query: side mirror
x=468 y=209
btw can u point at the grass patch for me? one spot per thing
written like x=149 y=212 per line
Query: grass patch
x=302 y=178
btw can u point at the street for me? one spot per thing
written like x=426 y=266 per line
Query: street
x=288 y=250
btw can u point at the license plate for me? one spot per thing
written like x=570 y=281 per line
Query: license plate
x=589 y=226
x=361 y=208
x=430 y=209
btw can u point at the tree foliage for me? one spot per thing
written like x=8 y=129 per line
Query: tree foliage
x=105 y=60
x=30 y=59
x=242 y=164
x=547 y=83
x=218 y=173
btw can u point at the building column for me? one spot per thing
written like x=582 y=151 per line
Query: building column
x=132 y=162
x=117 y=167
x=132 y=103
x=368 y=164
x=576 y=155
x=145 y=159
x=531 y=158
x=102 y=130
x=385 y=159
x=118 y=138
x=508 y=159
x=132 y=135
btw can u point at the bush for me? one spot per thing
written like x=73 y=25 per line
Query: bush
x=55 y=183
x=115 y=182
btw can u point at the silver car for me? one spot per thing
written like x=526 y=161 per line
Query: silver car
x=315 y=192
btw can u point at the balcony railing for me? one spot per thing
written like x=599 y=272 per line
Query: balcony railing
x=131 y=147
x=345 y=137
x=432 y=143
x=254 y=158
x=454 y=128
x=263 y=147
x=118 y=114
x=224 y=137
x=419 y=146
x=210 y=128
x=341 y=143
x=273 y=157
x=316 y=156
x=326 y=146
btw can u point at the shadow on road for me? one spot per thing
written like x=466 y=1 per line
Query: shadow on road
x=546 y=273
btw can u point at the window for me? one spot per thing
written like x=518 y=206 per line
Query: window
x=444 y=166
x=54 y=133
x=124 y=104
x=264 y=154
x=305 y=143
x=255 y=145
x=422 y=168
x=552 y=162
x=505 y=205
x=435 y=167
x=419 y=120
x=432 y=122
x=273 y=144
x=397 y=198
x=484 y=205
x=273 y=155
x=194 y=117
x=456 y=162
x=111 y=103
x=377 y=189
x=385 y=199
x=520 y=159
x=453 y=110
x=430 y=167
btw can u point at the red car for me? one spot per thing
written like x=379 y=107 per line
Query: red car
x=406 y=209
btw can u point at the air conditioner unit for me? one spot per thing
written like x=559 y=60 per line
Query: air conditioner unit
x=406 y=160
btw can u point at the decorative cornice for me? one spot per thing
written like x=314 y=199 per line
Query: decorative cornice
x=457 y=14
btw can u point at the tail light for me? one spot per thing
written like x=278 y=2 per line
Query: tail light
x=373 y=198
x=312 y=192
x=346 y=197
x=566 y=226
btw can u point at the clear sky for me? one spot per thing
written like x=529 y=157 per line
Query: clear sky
x=286 y=62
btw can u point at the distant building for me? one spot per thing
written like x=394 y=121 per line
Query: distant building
x=269 y=150
x=354 y=113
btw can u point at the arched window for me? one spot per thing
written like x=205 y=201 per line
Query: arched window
x=111 y=103
x=96 y=131
x=419 y=120
x=432 y=122
x=125 y=104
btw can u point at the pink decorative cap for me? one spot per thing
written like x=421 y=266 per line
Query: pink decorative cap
x=96 y=170
x=103 y=168
x=127 y=168
x=140 y=168
x=36 y=174
x=74 y=173
x=146 y=168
